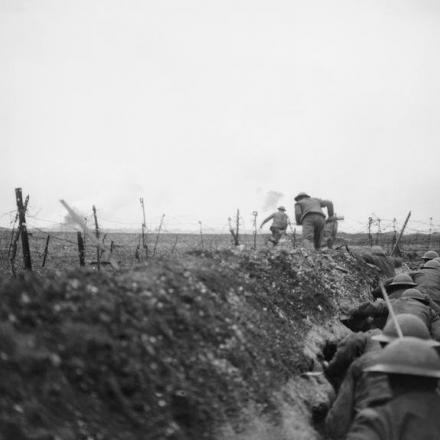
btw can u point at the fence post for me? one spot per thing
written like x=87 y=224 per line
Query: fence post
x=22 y=225
x=81 y=251
x=46 y=251
x=158 y=234
x=144 y=226
x=175 y=244
x=237 y=226
x=396 y=246
x=378 y=231
x=98 y=251
x=233 y=233
x=254 y=224
x=201 y=235
x=370 y=237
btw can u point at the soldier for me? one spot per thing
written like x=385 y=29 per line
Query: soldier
x=348 y=349
x=428 y=280
x=395 y=286
x=360 y=389
x=429 y=255
x=412 y=301
x=309 y=214
x=379 y=259
x=413 y=371
x=280 y=220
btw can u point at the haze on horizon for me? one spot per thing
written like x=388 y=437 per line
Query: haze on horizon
x=205 y=107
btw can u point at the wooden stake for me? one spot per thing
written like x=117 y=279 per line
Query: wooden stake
x=24 y=234
x=98 y=253
x=175 y=244
x=80 y=221
x=81 y=251
x=254 y=224
x=46 y=251
x=201 y=236
x=231 y=230
x=144 y=227
x=237 y=226
x=158 y=234
x=401 y=234
x=370 y=237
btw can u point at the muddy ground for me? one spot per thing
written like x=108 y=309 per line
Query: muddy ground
x=210 y=346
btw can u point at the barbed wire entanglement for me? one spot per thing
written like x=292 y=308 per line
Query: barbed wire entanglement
x=171 y=235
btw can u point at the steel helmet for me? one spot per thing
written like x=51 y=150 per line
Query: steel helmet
x=431 y=264
x=408 y=355
x=378 y=250
x=410 y=325
x=413 y=294
x=402 y=279
x=436 y=259
x=301 y=195
x=281 y=208
x=429 y=255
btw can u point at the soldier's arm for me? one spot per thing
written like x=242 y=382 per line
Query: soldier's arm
x=266 y=220
x=338 y=419
x=329 y=205
x=435 y=325
x=367 y=426
x=298 y=213
x=377 y=308
x=351 y=347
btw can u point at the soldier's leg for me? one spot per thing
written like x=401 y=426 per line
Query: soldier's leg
x=319 y=224
x=276 y=235
x=307 y=232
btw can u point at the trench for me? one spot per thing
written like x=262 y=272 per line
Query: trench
x=214 y=347
x=304 y=400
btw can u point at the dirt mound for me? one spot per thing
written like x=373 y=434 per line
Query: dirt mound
x=180 y=349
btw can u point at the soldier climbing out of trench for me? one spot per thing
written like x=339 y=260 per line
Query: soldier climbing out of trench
x=309 y=214
x=280 y=221
x=413 y=370
x=361 y=389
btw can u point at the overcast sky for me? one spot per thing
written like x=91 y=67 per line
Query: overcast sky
x=203 y=107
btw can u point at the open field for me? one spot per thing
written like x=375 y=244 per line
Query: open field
x=63 y=247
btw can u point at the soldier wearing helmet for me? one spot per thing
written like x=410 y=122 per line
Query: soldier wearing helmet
x=395 y=286
x=413 y=370
x=378 y=258
x=360 y=389
x=309 y=214
x=428 y=279
x=411 y=301
x=429 y=255
x=280 y=220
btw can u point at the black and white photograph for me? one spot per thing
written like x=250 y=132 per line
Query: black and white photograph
x=219 y=220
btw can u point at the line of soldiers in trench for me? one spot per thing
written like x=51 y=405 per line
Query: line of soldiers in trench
x=387 y=385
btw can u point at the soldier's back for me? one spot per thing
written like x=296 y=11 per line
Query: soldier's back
x=410 y=416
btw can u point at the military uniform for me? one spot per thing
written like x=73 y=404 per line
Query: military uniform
x=350 y=348
x=280 y=220
x=410 y=416
x=309 y=214
x=416 y=307
x=428 y=281
x=359 y=390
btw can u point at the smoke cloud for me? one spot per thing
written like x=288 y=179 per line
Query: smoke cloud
x=271 y=200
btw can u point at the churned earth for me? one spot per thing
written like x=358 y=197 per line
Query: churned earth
x=212 y=345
